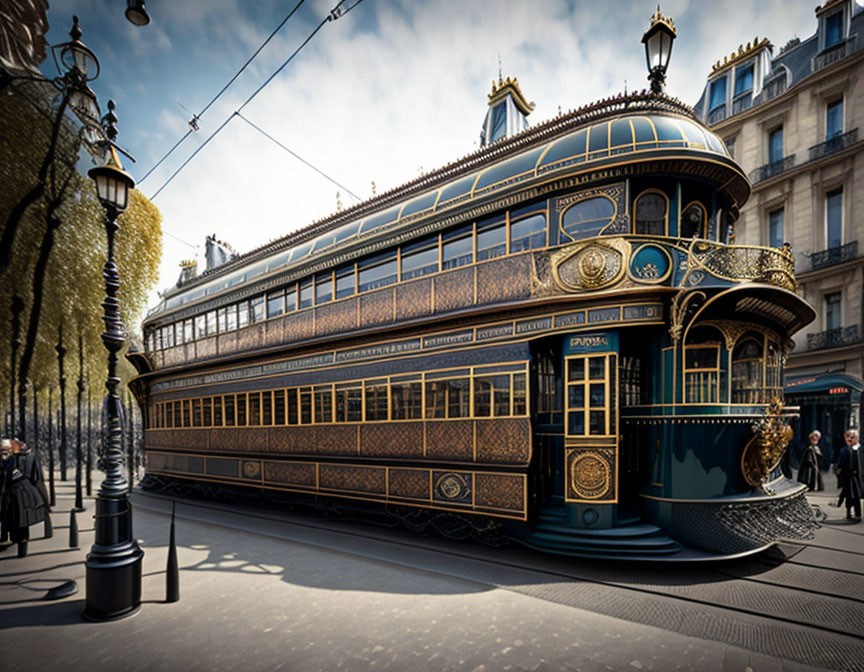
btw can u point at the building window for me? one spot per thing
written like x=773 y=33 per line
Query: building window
x=744 y=79
x=717 y=95
x=693 y=221
x=832 y=310
x=775 y=228
x=833 y=28
x=834 y=217
x=775 y=145
x=651 y=211
x=834 y=119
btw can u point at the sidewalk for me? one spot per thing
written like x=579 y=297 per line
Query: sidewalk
x=275 y=596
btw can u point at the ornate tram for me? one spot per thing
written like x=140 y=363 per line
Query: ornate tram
x=556 y=332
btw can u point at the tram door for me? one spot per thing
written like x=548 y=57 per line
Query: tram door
x=591 y=428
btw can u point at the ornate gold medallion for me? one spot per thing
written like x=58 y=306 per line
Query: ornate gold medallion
x=589 y=476
x=251 y=469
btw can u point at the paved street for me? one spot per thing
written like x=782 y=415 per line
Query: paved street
x=267 y=589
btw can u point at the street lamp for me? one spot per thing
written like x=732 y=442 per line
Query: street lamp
x=114 y=562
x=137 y=13
x=658 y=41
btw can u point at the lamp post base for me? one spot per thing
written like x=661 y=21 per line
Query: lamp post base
x=114 y=562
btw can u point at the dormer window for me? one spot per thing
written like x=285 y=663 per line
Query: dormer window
x=717 y=96
x=498 y=128
x=833 y=28
x=508 y=112
x=744 y=79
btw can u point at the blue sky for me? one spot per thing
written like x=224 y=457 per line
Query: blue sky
x=393 y=88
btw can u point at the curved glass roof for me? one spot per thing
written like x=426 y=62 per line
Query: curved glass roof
x=621 y=135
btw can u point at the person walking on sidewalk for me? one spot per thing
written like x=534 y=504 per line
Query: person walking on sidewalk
x=31 y=467
x=850 y=470
x=809 y=473
x=21 y=505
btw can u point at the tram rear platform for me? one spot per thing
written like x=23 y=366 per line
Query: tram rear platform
x=267 y=589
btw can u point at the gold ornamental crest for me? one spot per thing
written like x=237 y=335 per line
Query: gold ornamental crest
x=251 y=469
x=589 y=476
x=763 y=452
x=593 y=265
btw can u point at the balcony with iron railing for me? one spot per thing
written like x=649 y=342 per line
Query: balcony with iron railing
x=743 y=102
x=833 y=338
x=834 y=144
x=835 y=53
x=717 y=114
x=774 y=87
x=771 y=169
x=834 y=255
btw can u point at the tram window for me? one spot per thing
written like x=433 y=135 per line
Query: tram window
x=229 y=410
x=597 y=422
x=459 y=398
x=242 y=314
x=576 y=369
x=168 y=336
x=597 y=368
x=187 y=413
x=254 y=409
x=701 y=373
x=436 y=399
x=178 y=333
x=491 y=239
x=651 y=211
x=200 y=326
x=693 y=221
x=267 y=408
x=305 y=405
x=349 y=403
x=279 y=407
x=501 y=395
x=588 y=218
x=217 y=411
x=188 y=331
x=178 y=415
x=211 y=323
x=519 y=400
x=406 y=399
x=528 y=233
x=482 y=397
x=292 y=410
x=345 y=282
x=207 y=412
x=378 y=275
x=257 y=308
x=275 y=303
x=376 y=400
x=747 y=371
x=457 y=248
x=241 y=410
x=231 y=319
x=221 y=315
x=306 y=293
x=323 y=404
x=323 y=288
x=420 y=259
x=291 y=299
x=576 y=423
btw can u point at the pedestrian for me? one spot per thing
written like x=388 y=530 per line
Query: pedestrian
x=850 y=469
x=809 y=474
x=21 y=505
x=31 y=467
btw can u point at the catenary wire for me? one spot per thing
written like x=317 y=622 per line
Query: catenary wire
x=337 y=12
x=224 y=88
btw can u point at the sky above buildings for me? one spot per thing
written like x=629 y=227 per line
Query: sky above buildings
x=392 y=89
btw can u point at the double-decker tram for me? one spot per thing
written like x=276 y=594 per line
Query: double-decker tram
x=556 y=333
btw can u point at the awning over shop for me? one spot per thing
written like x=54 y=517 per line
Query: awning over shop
x=826 y=383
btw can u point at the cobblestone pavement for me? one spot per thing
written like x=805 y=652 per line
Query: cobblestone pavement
x=268 y=590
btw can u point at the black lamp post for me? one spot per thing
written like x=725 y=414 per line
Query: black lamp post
x=658 y=41
x=136 y=12
x=61 y=426
x=114 y=561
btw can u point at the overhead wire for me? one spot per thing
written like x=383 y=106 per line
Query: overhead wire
x=196 y=117
x=336 y=13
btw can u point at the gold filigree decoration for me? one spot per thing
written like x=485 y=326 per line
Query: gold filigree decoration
x=647 y=272
x=737 y=263
x=743 y=53
x=763 y=452
x=452 y=486
x=589 y=476
x=591 y=265
x=681 y=304
x=251 y=469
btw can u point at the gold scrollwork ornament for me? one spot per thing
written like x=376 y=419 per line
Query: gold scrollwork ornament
x=763 y=452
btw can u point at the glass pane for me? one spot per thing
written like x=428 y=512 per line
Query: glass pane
x=576 y=396
x=459 y=398
x=775 y=228
x=743 y=79
x=833 y=29
x=207 y=412
x=482 y=397
x=217 y=411
x=597 y=368
x=196 y=412
x=291 y=408
x=377 y=276
x=651 y=214
x=576 y=423
x=717 y=96
x=279 y=407
x=257 y=307
x=211 y=323
x=491 y=240
x=501 y=389
x=266 y=408
x=188 y=331
x=275 y=304
x=598 y=395
x=376 y=401
x=775 y=146
x=349 y=404
x=576 y=369
x=587 y=218
x=229 y=410
x=834 y=126
x=291 y=299
x=254 y=408
x=458 y=252
x=306 y=293
x=242 y=314
x=241 y=410
x=702 y=358
x=306 y=406
x=834 y=217
x=323 y=288
x=406 y=400
x=519 y=402
x=420 y=262
x=597 y=422
x=344 y=282
x=528 y=233
x=436 y=399
x=323 y=405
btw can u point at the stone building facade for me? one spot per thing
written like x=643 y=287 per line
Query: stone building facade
x=791 y=119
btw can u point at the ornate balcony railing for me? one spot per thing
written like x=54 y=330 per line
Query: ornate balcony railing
x=717 y=114
x=834 y=144
x=833 y=256
x=774 y=87
x=833 y=338
x=772 y=169
x=834 y=53
x=742 y=263
x=742 y=103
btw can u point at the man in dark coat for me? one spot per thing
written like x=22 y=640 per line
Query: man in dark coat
x=809 y=473
x=31 y=467
x=850 y=473
x=21 y=505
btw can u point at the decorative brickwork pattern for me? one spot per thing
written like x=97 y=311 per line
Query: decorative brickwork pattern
x=410 y=483
x=399 y=440
x=454 y=290
x=332 y=318
x=296 y=440
x=336 y=439
x=450 y=440
x=414 y=299
x=499 y=491
x=504 y=441
x=290 y=473
x=352 y=479
x=298 y=326
x=505 y=279
x=376 y=308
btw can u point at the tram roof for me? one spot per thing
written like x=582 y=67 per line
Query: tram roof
x=616 y=127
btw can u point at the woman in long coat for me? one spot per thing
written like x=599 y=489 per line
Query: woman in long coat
x=809 y=473
x=21 y=505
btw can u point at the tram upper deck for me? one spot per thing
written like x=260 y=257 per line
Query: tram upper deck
x=631 y=197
